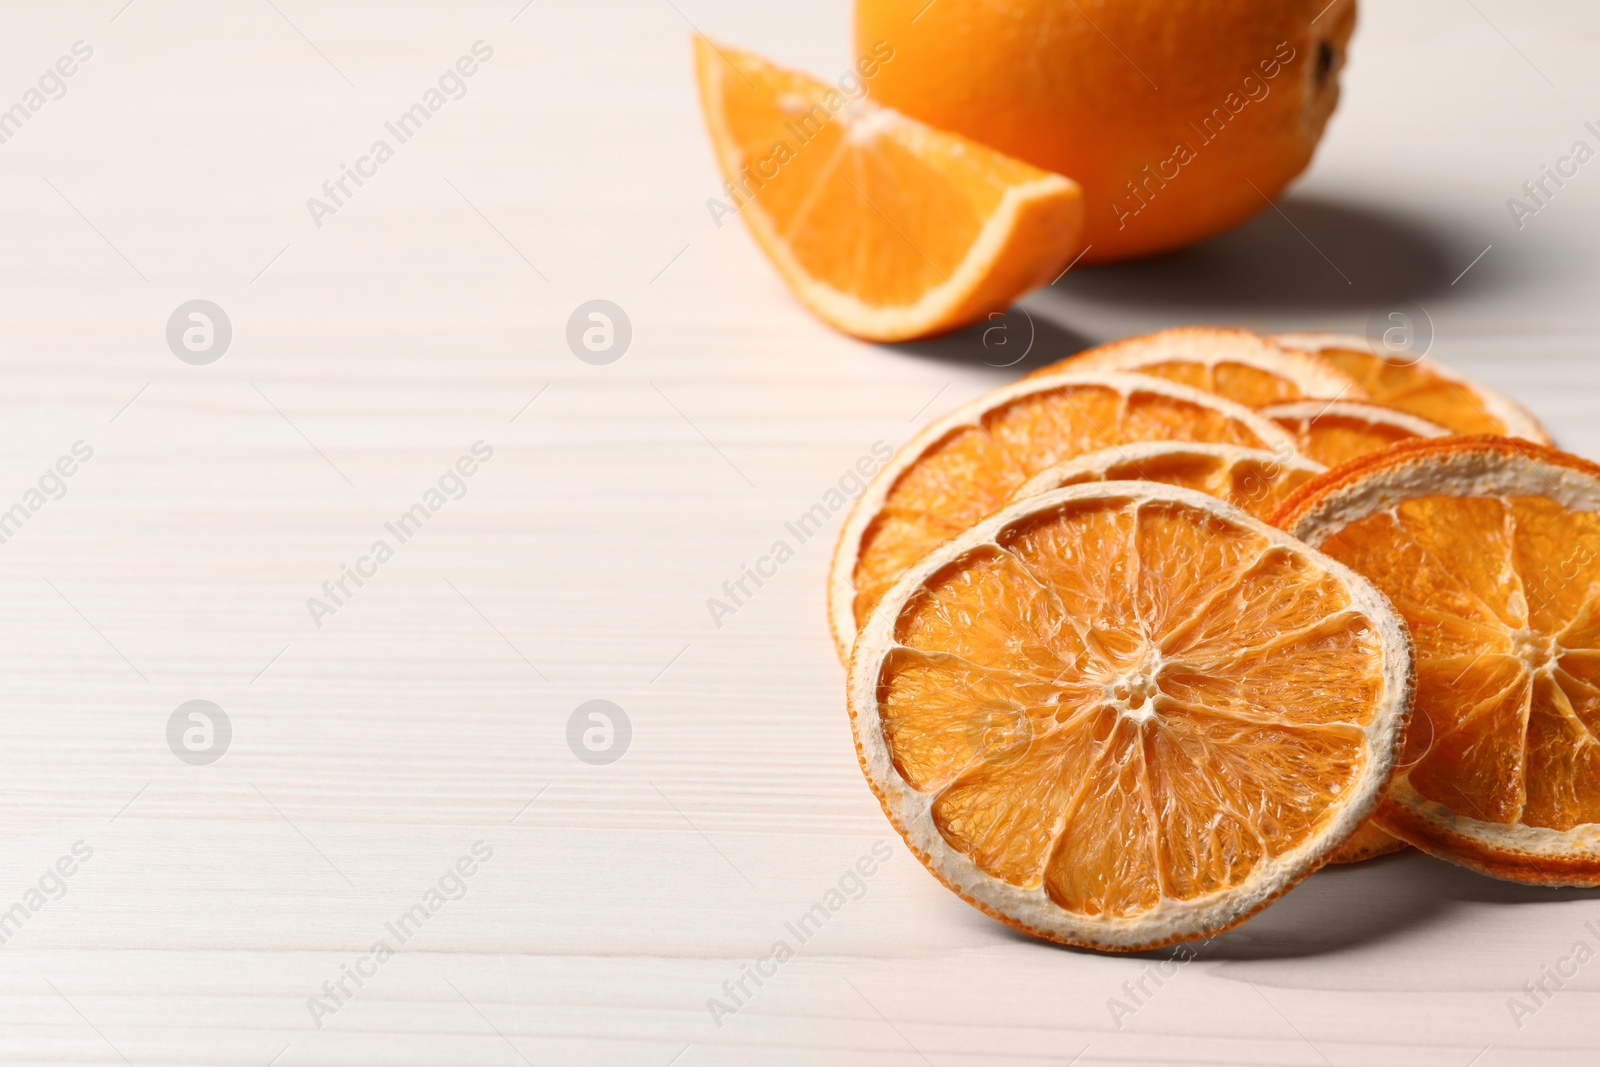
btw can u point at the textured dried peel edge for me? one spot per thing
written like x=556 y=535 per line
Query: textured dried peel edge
x=1310 y=410
x=1518 y=420
x=1323 y=506
x=1106 y=458
x=847 y=549
x=1031 y=911
x=1371 y=484
x=1356 y=851
x=1209 y=345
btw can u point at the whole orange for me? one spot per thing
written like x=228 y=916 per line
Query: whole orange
x=1180 y=118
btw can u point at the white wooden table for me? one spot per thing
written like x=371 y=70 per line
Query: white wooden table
x=429 y=710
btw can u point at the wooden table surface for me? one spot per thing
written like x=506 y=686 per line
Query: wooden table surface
x=397 y=770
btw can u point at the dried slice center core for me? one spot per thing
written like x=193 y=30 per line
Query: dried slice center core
x=1132 y=693
x=1537 y=651
x=1127 y=702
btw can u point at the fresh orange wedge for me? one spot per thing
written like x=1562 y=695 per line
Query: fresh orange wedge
x=1335 y=433
x=1125 y=714
x=885 y=228
x=1421 y=387
x=1236 y=364
x=1253 y=480
x=1489 y=547
x=965 y=467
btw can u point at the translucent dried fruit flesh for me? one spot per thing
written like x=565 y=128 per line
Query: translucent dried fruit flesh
x=975 y=469
x=1417 y=389
x=1128 y=702
x=1239 y=382
x=1505 y=705
x=1231 y=363
x=1368 y=841
x=1253 y=480
x=1490 y=550
x=1338 y=433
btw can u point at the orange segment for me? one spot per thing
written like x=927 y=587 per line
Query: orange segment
x=1559 y=596
x=1490 y=550
x=967 y=465
x=1422 y=387
x=1338 y=432
x=885 y=228
x=935 y=735
x=1473 y=766
x=1248 y=478
x=1237 y=364
x=1562 y=725
x=1124 y=714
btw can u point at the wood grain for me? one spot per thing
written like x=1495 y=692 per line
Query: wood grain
x=431 y=710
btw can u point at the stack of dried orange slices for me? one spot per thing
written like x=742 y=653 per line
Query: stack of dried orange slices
x=1138 y=642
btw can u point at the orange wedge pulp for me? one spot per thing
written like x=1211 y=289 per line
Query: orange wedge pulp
x=966 y=466
x=1125 y=714
x=886 y=228
x=1489 y=548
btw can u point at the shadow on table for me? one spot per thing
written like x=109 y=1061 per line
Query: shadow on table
x=1339 y=908
x=1307 y=254
x=1009 y=341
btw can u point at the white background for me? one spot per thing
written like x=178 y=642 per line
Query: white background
x=369 y=753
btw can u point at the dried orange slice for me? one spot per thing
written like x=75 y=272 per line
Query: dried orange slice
x=1335 y=434
x=1237 y=364
x=965 y=466
x=1421 y=387
x=1126 y=714
x=886 y=228
x=1368 y=842
x=1490 y=549
x=1339 y=432
x=1251 y=479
